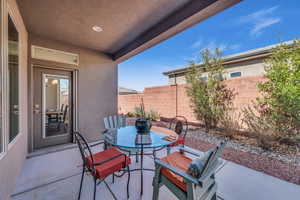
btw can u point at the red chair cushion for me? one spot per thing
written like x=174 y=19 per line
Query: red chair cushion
x=179 y=161
x=111 y=166
x=179 y=141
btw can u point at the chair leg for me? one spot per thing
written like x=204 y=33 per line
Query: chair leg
x=155 y=192
x=214 y=197
x=136 y=157
x=155 y=183
x=128 y=181
x=113 y=178
x=168 y=150
x=95 y=185
x=110 y=190
x=82 y=176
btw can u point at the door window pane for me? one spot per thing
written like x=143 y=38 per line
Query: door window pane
x=13 y=76
x=57 y=107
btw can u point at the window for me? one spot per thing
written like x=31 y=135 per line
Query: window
x=13 y=79
x=1 y=88
x=235 y=74
x=219 y=76
x=204 y=78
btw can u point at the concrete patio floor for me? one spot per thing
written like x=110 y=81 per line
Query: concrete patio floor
x=56 y=176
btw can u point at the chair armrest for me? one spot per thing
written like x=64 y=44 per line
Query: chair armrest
x=97 y=143
x=177 y=171
x=189 y=151
x=105 y=131
x=203 y=178
x=111 y=158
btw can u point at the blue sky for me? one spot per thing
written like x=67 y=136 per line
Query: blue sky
x=248 y=25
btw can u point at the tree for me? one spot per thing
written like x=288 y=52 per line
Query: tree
x=210 y=99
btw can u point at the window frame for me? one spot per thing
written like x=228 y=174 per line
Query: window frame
x=5 y=11
x=3 y=147
x=9 y=13
x=240 y=74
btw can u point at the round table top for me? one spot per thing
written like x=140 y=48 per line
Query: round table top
x=125 y=137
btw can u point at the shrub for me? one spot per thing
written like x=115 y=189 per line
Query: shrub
x=259 y=127
x=277 y=111
x=231 y=124
x=138 y=112
x=211 y=100
x=130 y=114
x=153 y=115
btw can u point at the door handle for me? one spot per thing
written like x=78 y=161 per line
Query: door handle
x=37 y=112
x=36 y=109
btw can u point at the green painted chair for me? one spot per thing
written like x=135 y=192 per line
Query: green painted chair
x=115 y=121
x=172 y=172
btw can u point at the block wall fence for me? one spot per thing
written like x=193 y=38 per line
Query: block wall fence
x=172 y=100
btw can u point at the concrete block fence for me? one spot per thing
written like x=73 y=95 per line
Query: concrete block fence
x=172 y=100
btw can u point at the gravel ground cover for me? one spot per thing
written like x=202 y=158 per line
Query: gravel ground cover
x=283 y=166
x=283 y=163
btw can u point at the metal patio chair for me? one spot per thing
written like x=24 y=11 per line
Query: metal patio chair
x=178 y=124
x=102 y=164
x=171 y=171
x=115 y=121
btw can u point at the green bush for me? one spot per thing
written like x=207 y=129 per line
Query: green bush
x=138 y=112
x=211 y=100
x=130 y=114
x=277 y=110
x=153 y=115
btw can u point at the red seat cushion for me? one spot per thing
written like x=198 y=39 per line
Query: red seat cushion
x=179 y=161
x=111 y=166
x=178 y=142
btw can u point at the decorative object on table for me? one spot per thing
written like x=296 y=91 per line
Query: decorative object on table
x=188 y=179
x=143 y=124
x=170 y=138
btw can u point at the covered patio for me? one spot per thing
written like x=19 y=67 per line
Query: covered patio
x=62 y=71
x=78 y=46
x=46 y=177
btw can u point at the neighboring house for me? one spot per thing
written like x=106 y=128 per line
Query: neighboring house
x=123 y=91
x=245 y=64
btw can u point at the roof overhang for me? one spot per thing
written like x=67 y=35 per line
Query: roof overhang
x=129 y=27
x=192 y=13
x=259 y=53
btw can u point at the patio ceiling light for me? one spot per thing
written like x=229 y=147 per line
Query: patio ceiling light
x=97 y=28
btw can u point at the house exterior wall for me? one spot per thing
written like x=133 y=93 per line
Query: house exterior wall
x=248 y=68
x=97 y=85
x=12 y=160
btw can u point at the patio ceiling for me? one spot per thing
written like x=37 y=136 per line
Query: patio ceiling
x=129 y=26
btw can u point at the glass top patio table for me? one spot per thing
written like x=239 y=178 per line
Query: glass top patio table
x=124 y=137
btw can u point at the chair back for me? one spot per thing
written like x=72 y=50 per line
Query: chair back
x=62 y=108
x=115 y=121
x=85 y=151
x=179 y=124
x=65 y=113
x=212 y=162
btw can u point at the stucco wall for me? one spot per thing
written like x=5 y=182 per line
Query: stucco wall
x=12 y=161
x=162 y=99
x=97 y=84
